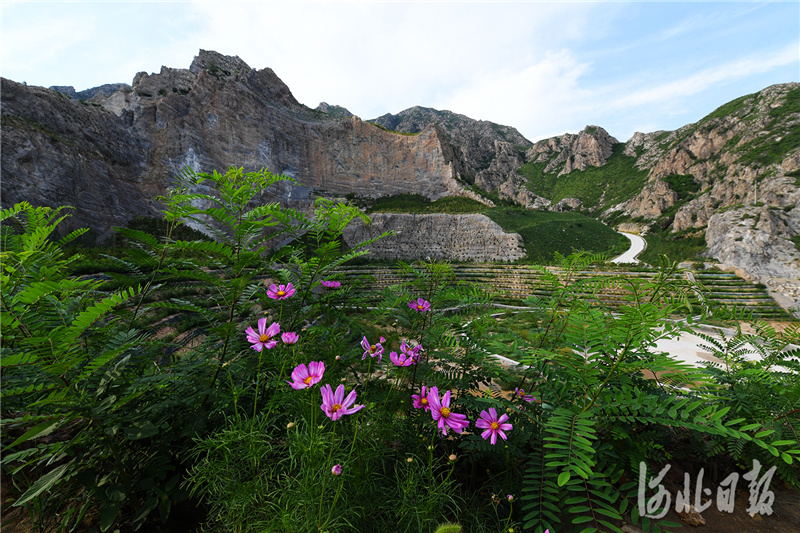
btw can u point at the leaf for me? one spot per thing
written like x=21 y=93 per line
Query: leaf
x=140 y=430
x=43 y=483
x=40 y=430
x=563 y=477
x=108 y=514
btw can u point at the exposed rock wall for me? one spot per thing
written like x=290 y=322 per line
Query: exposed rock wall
x=438 y=236
x=58 y=151
x=111 y=157
x=568 y=152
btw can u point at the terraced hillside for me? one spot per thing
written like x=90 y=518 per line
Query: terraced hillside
x=513 y=284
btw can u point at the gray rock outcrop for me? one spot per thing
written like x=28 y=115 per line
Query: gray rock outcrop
x=472 y=237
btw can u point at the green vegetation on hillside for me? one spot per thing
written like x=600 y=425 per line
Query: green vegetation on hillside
x=683 y=184
x=546 y=233
x=416 y=203
x=680 y=246
x=164 y=406
x=727 y=109
x=616 y=181
x=543 y=232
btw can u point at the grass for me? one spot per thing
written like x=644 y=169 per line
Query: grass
x=614 y=182
x=545 y=233
x=415 y=203
x=677 y=246
x=683 y=184
x=728 y=108
x=768 y=150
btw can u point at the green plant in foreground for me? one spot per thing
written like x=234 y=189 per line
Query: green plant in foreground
x=102 y=419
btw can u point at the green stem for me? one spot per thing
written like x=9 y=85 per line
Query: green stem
x=325 y=479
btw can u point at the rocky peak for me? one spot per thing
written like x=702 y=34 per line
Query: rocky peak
x=219 y=65
x=484 y=153
x=591 y=147
x=334 y=110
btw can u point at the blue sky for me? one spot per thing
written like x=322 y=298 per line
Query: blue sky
x=545 y=68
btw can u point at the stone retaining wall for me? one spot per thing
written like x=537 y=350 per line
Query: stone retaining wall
x=470 y=237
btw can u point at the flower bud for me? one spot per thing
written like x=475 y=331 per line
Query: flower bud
x=290 y=425
x=452 y=457
x=409 y=459
x=510 y=497
x=336 y=470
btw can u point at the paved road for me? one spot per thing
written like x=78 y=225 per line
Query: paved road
x=638 y=245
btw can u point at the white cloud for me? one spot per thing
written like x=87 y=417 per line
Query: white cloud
x=538 y=100
x=706 y=79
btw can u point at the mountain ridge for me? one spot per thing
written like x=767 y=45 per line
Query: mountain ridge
x=109 y=155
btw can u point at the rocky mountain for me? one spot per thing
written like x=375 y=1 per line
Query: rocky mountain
x=335 y=111
x=104 y=90
x=732 y=178
x=484 y=151
x=111 y=156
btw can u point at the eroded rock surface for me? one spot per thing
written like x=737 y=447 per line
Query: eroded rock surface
x=472 y=237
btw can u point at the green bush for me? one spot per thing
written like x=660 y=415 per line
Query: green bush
x=107 y=424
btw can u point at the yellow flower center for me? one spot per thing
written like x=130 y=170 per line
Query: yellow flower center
x=263 y=338
x=281 y=293
x=495 y=426
x=445 y=412
x=420 y=306
x=423 y=401
x=336 y=407
x=307 y=380
x=372 y=348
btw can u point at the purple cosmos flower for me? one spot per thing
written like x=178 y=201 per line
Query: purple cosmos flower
x=409 y=351
x=402 y=360
x=280 y=292
x=335 y=404
x=290 y=337
x=336 y=470
x=520 y=393
x=421 y=400
x=263 y=339
x=493 y=425
x=419 y=305
x=331 y=284
x=304 y=377
x=372 y=350
x=440 y=410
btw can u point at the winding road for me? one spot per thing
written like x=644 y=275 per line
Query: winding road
x=638 y=244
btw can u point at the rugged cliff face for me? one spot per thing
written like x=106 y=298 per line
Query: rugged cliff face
x=484 y=152
x=453 y=237
x=59 y=151
x=108 y=158
x=734 y=176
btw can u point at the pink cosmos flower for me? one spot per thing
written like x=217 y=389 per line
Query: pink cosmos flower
x=304 y=377
x=409 y=351
x=440 y=410
x=336 y=470
x=402 y=360
x=290 y=337
x=280 y=292
x=335 y=404
x=372 y=350
x=419 y=305
x=421 y=400
x=493 y=425
x=331 y=284
x=520 y=393
x=263 y=339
